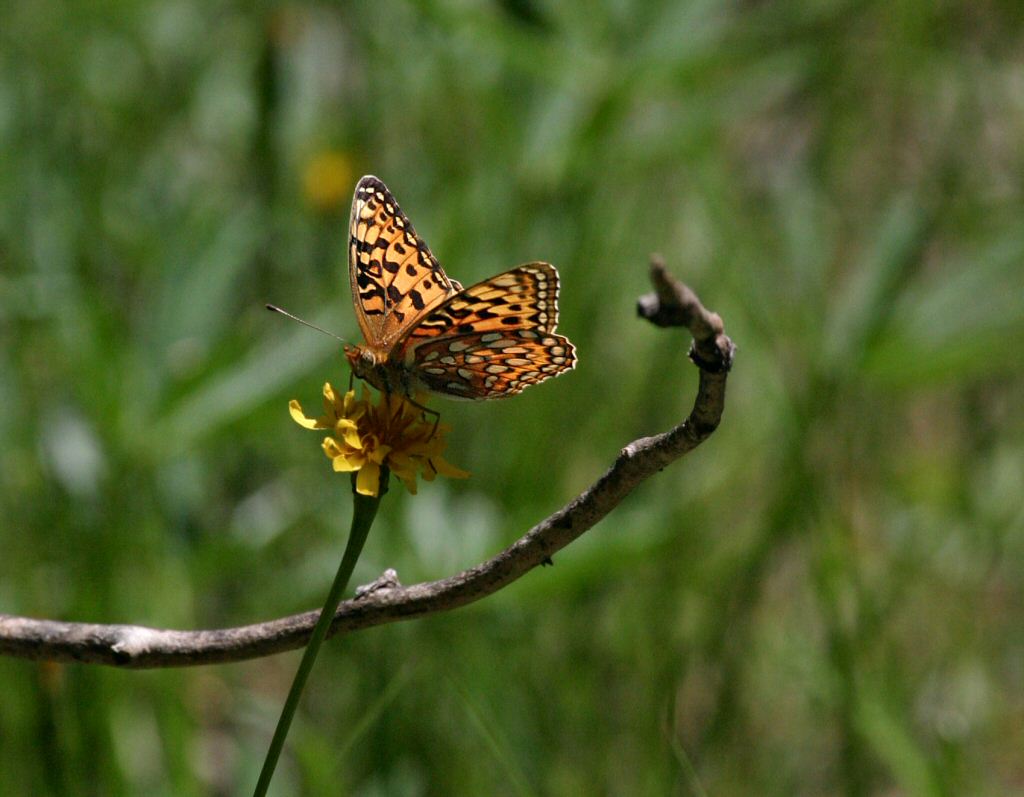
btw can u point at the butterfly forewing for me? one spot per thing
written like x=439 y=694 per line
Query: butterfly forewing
x=492 y=339
x=395 y=278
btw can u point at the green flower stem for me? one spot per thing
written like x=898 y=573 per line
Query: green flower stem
x=363 y=512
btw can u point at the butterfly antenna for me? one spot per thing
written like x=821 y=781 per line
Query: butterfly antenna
x=275 y=309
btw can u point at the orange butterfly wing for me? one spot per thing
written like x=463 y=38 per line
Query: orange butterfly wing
x=395 y=279
x=492 y=339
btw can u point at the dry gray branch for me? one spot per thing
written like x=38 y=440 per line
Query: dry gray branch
x=386 y=601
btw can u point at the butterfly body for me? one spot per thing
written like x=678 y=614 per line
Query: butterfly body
x=375 y=368
x=425 y=332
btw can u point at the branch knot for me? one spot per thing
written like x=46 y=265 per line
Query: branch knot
x=673 y=304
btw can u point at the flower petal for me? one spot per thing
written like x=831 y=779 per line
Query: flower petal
x=332 y=448
x=350 y=406
x=350 y=433
x=401 y=461
x=380 y=453
x=299 y=416
x=445 y=468
x=405 y=468
x=330 y=402
x=368 y=480
x=409 y=482
x=346 y=463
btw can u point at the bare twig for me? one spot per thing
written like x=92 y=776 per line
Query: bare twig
x=386 y=601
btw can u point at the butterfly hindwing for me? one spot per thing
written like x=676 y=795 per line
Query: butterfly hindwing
x=486 y=365
x=493 y=338
x=395 y=279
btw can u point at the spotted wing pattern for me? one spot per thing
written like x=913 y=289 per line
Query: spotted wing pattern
x=492 y=339
x=395 y=279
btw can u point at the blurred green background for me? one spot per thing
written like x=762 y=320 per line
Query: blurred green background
x=825 y=599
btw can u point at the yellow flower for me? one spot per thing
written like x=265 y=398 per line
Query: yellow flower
x=327 y=181
x=367 y=436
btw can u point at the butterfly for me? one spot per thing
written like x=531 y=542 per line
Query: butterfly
x=425 y=332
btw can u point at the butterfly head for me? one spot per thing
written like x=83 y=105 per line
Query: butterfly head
x=369 y=366
x=361 y=359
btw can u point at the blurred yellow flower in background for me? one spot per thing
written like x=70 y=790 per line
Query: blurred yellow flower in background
x=368 y=436
x=327 y=181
